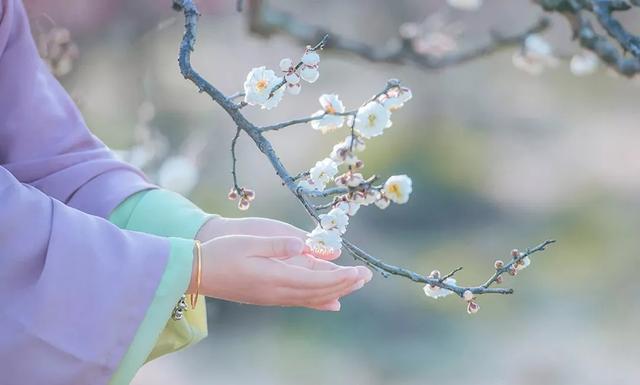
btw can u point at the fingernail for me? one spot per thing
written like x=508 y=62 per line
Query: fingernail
x=335 y=306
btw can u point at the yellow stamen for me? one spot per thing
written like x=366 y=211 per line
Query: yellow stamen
x=261 y=85
x=372 y=119
x=394 y=189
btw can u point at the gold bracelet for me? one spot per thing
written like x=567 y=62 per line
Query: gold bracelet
x=194 y=297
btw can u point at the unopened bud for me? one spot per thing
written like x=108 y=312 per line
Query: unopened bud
x=467 y=295
x=515 y=253
x=249 y=194
x=435 y=274
x=244 y=204
x=233 y=194
x=472 y=307
x=513 y=271
x=498 y=264
x=499 y=279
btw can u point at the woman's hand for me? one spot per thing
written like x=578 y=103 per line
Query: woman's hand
x=274 y=271
x=265 y=227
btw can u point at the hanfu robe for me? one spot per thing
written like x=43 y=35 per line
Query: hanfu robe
x=85 y=300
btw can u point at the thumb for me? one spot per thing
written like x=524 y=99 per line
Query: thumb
x=278 y=247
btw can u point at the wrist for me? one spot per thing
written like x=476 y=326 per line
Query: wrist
x=196 y=269
x=213 y=227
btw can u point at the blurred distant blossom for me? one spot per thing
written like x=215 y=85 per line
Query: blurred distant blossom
x=535 y=55
x=584 y=63
x=465 y=5
x=178 y=173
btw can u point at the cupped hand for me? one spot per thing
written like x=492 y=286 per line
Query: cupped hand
x=265 y=227
x=274 y=271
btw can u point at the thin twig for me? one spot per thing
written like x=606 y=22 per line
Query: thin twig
x=234 y=160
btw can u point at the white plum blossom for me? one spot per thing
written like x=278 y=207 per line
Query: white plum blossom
x=286 y=64
x=365 y=198
x=372 y=119
x=523 y=264
x=258 y=86
x=310 y=58
x=383 y=202
x=396 y=98
x=307 y=184
x=178 y=173
x=323 y=240
x=398 y=188
x=323 y=172
x=358 y=144
x=294 y=89
x=438 y=292
x=292 y=78
x=465 y=5
x=535 y=55
x=336 y=219
x=341 y=154
x=331 y=104
x=584 y=63
x=355 y=179
x=309 y=73
x=351 y=208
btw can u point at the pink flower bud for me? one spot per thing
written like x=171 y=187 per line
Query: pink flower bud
x=244 y=204
x=249 y=194
x=472 y=307
x=498 y=264
x=467 y=295
x=515 y=253
x=233 y=194
x=294 y=89
x=499 y=279
x=435 y=274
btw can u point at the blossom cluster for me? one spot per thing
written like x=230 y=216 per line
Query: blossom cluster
x=520 y=261
x=536 y=55
x=264 y=88
x=368 y=121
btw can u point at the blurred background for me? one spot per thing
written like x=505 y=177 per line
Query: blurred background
x=499 y=158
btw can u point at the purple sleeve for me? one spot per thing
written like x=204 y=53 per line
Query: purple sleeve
x=43 y=139
x=68 y=314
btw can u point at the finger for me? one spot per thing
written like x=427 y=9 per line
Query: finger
x=312 y=263
x=263 y=227
x=329 y=306
x=266 y=227
x=301 y=278
x=249 y=246
x=320 y=299
x=316 y=297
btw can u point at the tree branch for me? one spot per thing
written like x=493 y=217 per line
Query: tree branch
x=265 y=20
x=575 y=12
x=255 y=133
